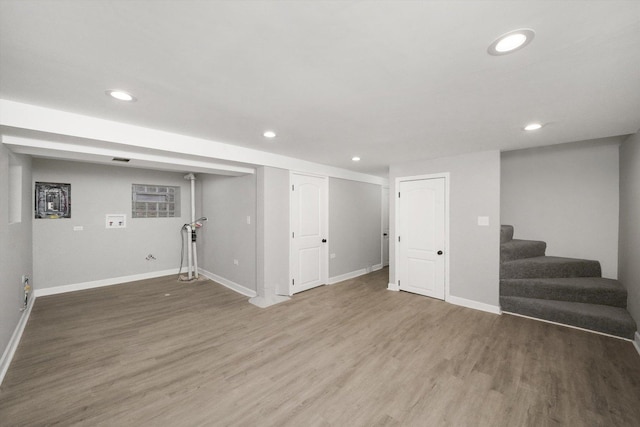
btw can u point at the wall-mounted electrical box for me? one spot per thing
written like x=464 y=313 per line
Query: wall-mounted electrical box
x=116 y=221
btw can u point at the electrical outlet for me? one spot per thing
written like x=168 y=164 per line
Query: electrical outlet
x=248 y=219
x=235 y=261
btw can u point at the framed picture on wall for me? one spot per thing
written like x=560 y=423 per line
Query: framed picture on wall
x=53 y=200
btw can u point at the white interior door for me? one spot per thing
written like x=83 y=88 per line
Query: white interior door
x=385 y=227
x=308 y=232
x=422 y=237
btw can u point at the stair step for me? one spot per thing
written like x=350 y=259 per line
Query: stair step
x=506 y=233
x=601 y=318
x=592 y=290
x=518 y=249
x=549 y=266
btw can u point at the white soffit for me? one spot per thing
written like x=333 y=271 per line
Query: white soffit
x=129 y=141
x=89 y=154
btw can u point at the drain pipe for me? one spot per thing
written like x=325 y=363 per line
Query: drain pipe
x=192 y=254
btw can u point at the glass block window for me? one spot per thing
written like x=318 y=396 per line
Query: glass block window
x=155 y=201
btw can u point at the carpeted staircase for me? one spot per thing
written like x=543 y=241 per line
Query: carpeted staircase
x=563 y=290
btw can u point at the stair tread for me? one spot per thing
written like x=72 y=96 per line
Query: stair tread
x=594 y=290
x=519 y=249
x=514 y=242
x=549 y=266
x=602 y=318
x=546 y=259
x=577 y=282
x=506 y=233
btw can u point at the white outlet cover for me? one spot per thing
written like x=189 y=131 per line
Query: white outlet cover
x=248 y=219
x=78 y=228
x=235 y=261
x=483 y=221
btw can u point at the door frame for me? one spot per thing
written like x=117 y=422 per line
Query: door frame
x=324 y=273
x=382 y=190
x=396 y=254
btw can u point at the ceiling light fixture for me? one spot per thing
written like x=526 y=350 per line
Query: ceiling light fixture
x=533 y=126
x=269 y=134
x=355 y=158
x=511 y=41
x=121 y=95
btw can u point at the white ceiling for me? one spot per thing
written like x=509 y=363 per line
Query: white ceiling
x=388 y=81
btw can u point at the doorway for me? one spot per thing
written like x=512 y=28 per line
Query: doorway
x=309 y=213
x=422 y=241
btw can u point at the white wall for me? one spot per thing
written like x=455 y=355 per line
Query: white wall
x=629 y=249
x=62 y=256
x=474 y=252
x=567 y=196
x=15 y=243
x=355 y=235
x=227 y=202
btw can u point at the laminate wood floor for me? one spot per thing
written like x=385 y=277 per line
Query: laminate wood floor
x=351 y=354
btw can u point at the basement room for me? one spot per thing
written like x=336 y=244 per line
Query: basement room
x=319 y=213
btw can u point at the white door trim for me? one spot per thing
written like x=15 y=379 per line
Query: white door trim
x=325 y=248
x=396 y=254
x=382 y=190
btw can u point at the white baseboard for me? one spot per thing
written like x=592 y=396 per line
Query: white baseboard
x=347 y=276
x=264 y=302
x=228 y=283
x=636 y=342
x=393 y=287
x=353 y=274
x=103 y=282
x=474 y=304
x=12 y=346
x=568 y=326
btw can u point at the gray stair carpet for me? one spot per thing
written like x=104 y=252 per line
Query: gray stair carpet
x=562 y=290
x=593 y=290
x=602 y=318
x=506 y=233
x=517 y=249
x=549 y=266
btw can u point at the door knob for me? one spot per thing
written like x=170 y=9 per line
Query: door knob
x=439 y=252
x=324 y=240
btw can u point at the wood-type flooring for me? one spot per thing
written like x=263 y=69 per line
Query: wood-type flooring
x=163 y=353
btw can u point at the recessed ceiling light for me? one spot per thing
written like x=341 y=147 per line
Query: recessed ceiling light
x=511 y=41
x=355 y=158
x=269 y=134
x=533 y=126
x=121 y=95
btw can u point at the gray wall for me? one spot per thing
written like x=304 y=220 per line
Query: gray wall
x=15 y=244
x=567 y=196
x=629 y=249
x=273 y=231
x=226 y=202
x=474 y=252
x=62 y=256
x=354 y=226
